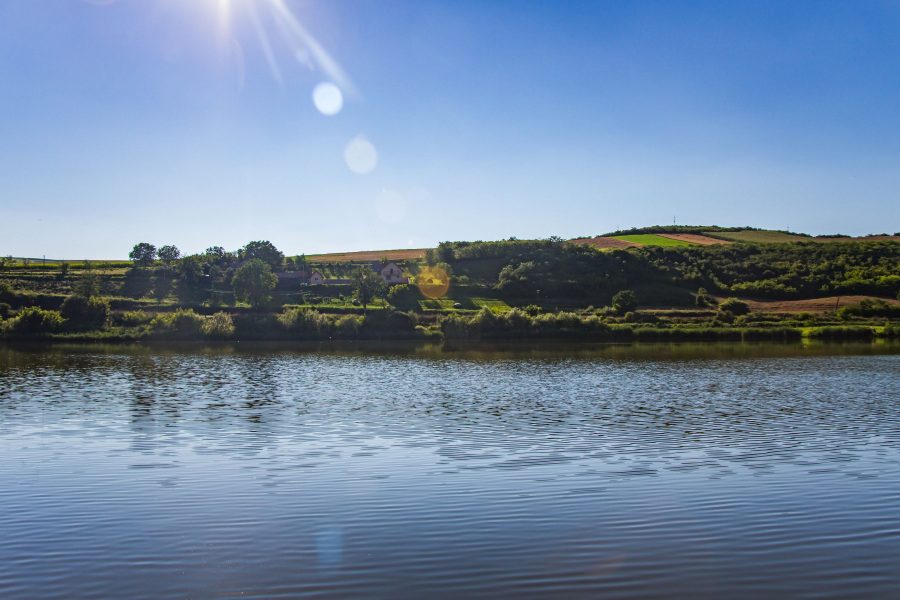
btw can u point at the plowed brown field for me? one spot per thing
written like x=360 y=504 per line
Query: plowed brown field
x=605 y=243
x=369 y=255
x=694 y=238
x=813 y=305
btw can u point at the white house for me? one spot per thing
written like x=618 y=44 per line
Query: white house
x=390 y=272
x=316 y=278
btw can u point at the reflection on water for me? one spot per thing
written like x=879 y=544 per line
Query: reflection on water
x=621 y=471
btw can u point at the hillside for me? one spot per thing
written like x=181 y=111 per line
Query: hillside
x=634 y=285
x=658 y=235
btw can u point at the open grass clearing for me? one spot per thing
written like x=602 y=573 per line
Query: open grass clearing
x=652 y=239
x=438 y=304
x=496 y=306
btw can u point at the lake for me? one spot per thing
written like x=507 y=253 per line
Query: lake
x=258 y=471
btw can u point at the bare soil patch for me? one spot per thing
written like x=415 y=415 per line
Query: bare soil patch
x=812 y=305
x=369 y=255
x=605 y=243
x=694 y=238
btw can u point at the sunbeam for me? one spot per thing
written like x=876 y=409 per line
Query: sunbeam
x=302 y=46
x=264 y=42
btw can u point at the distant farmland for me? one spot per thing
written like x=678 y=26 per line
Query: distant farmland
x=604 y=243
x=368 y=256
x=694 y=238
x=652 y=239
x=760 y=237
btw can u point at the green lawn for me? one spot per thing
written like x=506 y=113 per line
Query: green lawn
x=439 y=304
x=649 y=239
x=497 y=306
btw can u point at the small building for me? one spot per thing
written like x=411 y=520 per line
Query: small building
x=390 y=272
x=292 y=275
x=316 y=278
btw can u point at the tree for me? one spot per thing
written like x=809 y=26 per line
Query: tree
x=404 y=296
x=143 y=254
x=215 y=253
x=87 y=286
x=253 y=282
x=5 y=261
x=192 y=282
x=734 y=306
x=624 y=301
x=264 y=251
x=169 y=254
x=85 y=313
x=368 y=285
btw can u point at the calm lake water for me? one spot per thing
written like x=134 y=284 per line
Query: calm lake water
x=260 y=472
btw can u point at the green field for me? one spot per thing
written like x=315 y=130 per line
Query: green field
x=760 y=237
x=649 y=239
x=439 y=304
x=496 y=306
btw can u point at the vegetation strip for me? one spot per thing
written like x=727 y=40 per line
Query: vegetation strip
x=835 y=288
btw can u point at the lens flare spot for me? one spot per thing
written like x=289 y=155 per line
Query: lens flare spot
x=328 y=98
x=360 y=155
x=433 y=282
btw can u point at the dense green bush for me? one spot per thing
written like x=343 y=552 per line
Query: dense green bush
x=84 y=314
x=7 y=294
x=306 y=323
x=869 y=308
x=772 y=334
x=132 y=318
x=303 y=322
x=842 y=333
x=388 y=324
x=33 y=321
x=182 y=324
x=253 y=282
x=404 y=296
x=218 y=326
x=734 y=306
x=624 y=301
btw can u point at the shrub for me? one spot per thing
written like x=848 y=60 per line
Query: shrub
x=869 y=308
x=390 y=324
x=34 y=321
x=87 y=285
x=5 y=310
x=842 y=333
x=303 y=322
x=533 y=310
x=624 y=301
x=84 y=313
x=133 y=318
x=347 y=326
x=6 y=293
x=218 y=326
x=703 y=299
x=183 y=323
x=771 y=333
x=404 y=296
x=734 y=306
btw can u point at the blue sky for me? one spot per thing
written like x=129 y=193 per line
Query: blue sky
x=162 y=121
